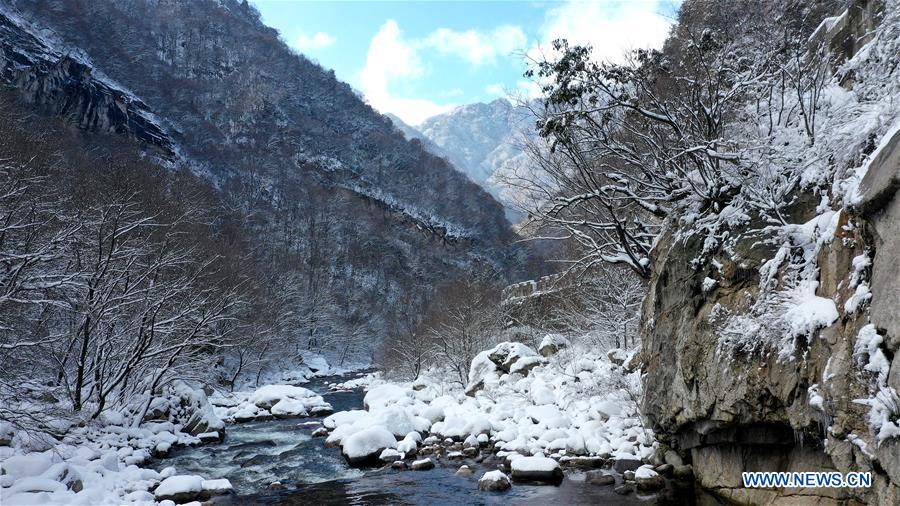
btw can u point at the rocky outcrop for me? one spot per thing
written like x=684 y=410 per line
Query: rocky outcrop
x=63 y=85
x=760 y=396
x=732 y=410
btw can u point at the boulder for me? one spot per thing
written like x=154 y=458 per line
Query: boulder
x=389 y=455
x=192 y=409
x=494 y=481
x=646 y=479
x=597 y=477
x=320 y=432
x=623 y=465
x=364 y=447
x=537 y=469
x=422 y=465
x=490 y=364
x=464 y=471
x=187 y=488
x=551 y=344
x=623 y=489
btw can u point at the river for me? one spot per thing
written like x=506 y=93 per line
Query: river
x=253 y=455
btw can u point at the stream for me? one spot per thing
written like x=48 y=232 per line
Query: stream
x=255 y=454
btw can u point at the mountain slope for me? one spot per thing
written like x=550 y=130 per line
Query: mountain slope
x=333 y=193
x=482 y=140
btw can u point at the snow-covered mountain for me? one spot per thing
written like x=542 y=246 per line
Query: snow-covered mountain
x=483 y=140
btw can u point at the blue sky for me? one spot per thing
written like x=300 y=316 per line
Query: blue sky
x=420 y=58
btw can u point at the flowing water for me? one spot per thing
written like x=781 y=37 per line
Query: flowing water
x=256 y=454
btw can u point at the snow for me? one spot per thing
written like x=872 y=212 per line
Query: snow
x=367 y=442
x=645 y=471
x=545 y=412
x=493 y=476
x=266 y=401
x=811 y=314
x=389 y=453
x=218 y=486
x=534 y=464
x=178 y=485
x=868 y=351
x=883 y=402
x=384 y=395
x=556 y=340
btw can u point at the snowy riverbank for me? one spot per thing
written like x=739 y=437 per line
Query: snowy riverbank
x=105 y=460
x=531 y=411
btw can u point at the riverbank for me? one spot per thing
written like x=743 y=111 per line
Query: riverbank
x=120 y=457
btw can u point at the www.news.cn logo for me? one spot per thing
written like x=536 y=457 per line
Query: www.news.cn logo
x=807 y=480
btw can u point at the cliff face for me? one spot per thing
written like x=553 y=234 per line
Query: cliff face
x=64 y=85
x=821 y=393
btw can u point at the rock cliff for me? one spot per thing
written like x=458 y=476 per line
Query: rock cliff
x=826 y=399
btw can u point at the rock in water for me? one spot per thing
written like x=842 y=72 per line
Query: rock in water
x=389 y=455
x=646 y=479
x=422 y=465
x=363 y=448
x=624 y=489
x=536 y=469
x=494 y=481
x=623 y=465
x=598 y=477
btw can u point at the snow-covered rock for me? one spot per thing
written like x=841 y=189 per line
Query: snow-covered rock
x=494 y=481
x=538 y=469
x=552 y=343
x=364 y=447
x=190 y=407
x=270 y=401
x=646 y=478
x=180 y=488
x=488 y=366
x=422 y=465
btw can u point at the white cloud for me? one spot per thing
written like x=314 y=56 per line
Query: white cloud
x=391 y=57
x=495 y=89
x=319 y=40
x=611 y=28
x=477 y=47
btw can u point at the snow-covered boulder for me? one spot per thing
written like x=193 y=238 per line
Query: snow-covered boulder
x=389 y=455
x=551 y=344
x=489 y=365
x=422 y=465
x=364 y=447
x=191 y=408
x=180 y=489
x=646 y=478
x=494 y=481
x=538 y=469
